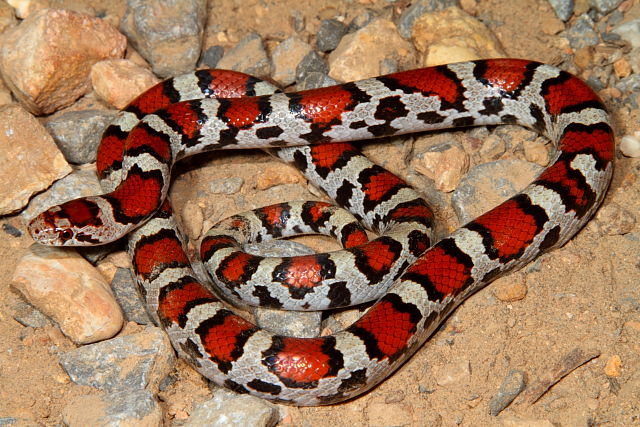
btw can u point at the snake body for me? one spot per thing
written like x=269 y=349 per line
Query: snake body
x=418 y=284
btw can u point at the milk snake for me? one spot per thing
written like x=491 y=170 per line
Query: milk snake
x=233 y=352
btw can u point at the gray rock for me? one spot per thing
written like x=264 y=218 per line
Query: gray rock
x=511 y=387
x=361 y=20
x=563 y=8
x=629 y=31
x=582 y=33
x=629 y=84
x=227 y=409
x=311 y=63
x=486 y=185
x=168 y=34
x=316 y=80
x=11 y=230
x=419 y=8
x=605 y=6
x=212 y=56
x=128 y=407
x=128 y=296
x=129 y=362
x=78 y=133
x=248 y=57
x=329 y=34
x=28 y=315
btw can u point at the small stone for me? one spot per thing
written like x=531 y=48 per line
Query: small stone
x=563 y=8
x=454 y=373
x=128 y=297
x=489 y=184
x=46 y=59
x=452 y=35
x=119 y=81
x=445 y=163
x=65 y=287
x=28 y=315
x=248 y=57
x=212 y=56
x=582 y=33
x=227 y=409
x=361 y=20
x=78 y=133
x=630 y=145
x=510 y=292
x=278 y=174
x=316 y=80
x=286 y=57
x=613 y=219
x=605 y=6
x=329 y=34
x=311 y=63
x=125 y=408
x=167 y=34
x=361 y=54
x=511 y=387
x=11 y=230
x=31 y=161
x=226 y=186
x=622 y=68
x=535 y=151
x=629 y=31
x=131 y=362
x=613 y=367
x=419 y=8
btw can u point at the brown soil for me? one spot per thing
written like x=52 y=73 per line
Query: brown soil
x=583 y=296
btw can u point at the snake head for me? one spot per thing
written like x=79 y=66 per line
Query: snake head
x=69 y=224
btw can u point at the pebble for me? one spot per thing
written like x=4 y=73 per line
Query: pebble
x=131 y=362
x=360 y=54
x=226 y=186
x=78 y=133
x=489 y=184
x=563 y=8
x=212 y=56
x=124 y=408
x=248 y=56
x=508 y=291
x=278 y=174
x=613 y=367
x=316 y=80
x=311 y=63
x=605 y=6
x=329 y=34
x=452 y=35
x=64 y=286
x=582 y=33
x=629 y=84
x=82 y=182
x=119 y=81
x=613 y=220
x=7 y=17
x=31 y=161
x=286 y=57
x=453 y=373
x=419 y=8
x=535 y=151
x=629 y=31
x=167 y=34
x=46 y=60
x=445 y=163
x=227 y=409
x=512 y=385
x=128 y=297
x=630 y=145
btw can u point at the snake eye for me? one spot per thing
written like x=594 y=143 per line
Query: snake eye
x=66 y=234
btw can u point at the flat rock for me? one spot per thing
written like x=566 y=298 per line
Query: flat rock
x=119 y=81
x=230 y=409
x=452 y=35
x=64 y=286
x=31 y=161
x=137 y=408
x=137 y=361
x=167 y=34
x=46 y=59
x=362 y=54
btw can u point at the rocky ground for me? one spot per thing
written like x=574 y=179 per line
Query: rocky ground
x=556 y=344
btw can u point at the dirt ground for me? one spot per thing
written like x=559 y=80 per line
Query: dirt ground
x=584 y=296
